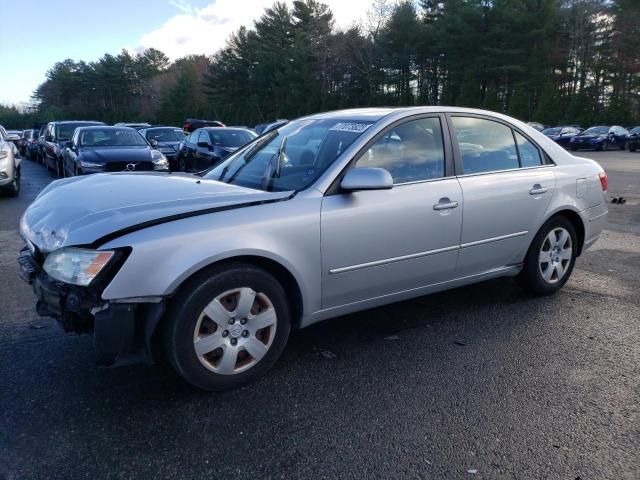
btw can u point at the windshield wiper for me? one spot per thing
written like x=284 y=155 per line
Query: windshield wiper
x=267 y=181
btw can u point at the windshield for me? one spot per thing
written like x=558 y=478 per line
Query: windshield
x=552 y=131
x=230 y=138
x=596 y=130
x=165 y=134
x=111 y=137
x=65 y=130
x=289 y=158
x=635 y=130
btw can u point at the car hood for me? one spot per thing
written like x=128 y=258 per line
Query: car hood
x=82 y=210
x=117 y=154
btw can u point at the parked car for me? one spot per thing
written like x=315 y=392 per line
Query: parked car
x=633 y=139
x=536 y=125
x=192 y=124
x=41 y=150
x=562 y=135
x=136 y=126
x=600 y=138
x=265 y=127
x=56 y=137
x=9 y=163
x=31 y=144
x=207 y=146
x=22 y=142
x=328 y=215
x=165 y=139
x=110 y=149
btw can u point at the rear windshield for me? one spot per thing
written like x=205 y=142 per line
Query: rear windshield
x=65 y=130
x=230 y=138
x=594 y=130
x=165 y=134
x=552 y=131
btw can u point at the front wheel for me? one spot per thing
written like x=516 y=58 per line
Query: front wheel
x=14 y=188
x=550 y=259
x=227 y=327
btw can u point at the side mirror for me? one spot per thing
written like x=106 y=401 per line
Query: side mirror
x=153 y=142
x=367 y=178
x=12 y=137
x=48 y=138
x=203 y=144
x=68 y=145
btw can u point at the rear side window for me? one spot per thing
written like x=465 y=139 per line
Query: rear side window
x=529 y=153
x=485 y=145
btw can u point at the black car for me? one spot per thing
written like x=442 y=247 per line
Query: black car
x=110 y=149
x=165 y=139
x=600 y=138
x=633 y=139
x=562 y=135
x=55 y=138
x=192 y=124
x=207 y=146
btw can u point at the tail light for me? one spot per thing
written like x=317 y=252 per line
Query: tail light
x=604 y=182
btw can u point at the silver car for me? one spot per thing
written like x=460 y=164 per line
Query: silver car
x=326 y=215
x=9 y=163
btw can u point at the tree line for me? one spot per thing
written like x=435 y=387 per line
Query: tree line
x=552 y=61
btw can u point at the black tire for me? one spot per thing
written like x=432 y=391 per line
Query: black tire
x=14 y=188
x=574 y=148
x=624 y=145
x=531 y=278
x=187 y=306
x=182 y=164
x=632 y=147
x=60 y=172
x=603 y=147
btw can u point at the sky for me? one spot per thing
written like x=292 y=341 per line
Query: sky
x=39 y=33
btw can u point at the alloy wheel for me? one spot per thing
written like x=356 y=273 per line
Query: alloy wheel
x=234 y=331
x=555 y=255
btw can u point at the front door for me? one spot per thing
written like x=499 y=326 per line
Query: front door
x=377 y=243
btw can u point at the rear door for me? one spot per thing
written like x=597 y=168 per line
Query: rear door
x=377 y=243
x=507 y=184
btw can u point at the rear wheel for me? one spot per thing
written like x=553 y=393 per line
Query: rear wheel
x=227 y=327
x=603 y=146
x=551 y=257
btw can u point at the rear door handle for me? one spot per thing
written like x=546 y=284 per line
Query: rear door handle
x=538 y=190
x=445 y=204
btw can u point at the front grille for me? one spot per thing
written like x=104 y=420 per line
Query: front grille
x=134 y=166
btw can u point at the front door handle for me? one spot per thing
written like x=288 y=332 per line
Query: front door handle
x=538 y=190
x=445 y=204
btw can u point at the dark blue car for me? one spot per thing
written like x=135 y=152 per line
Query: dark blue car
x=633 y=139
x=165 y=139
x=562 y=135
x=600 y=138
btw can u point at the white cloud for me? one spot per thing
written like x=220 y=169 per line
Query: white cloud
x=205 y=30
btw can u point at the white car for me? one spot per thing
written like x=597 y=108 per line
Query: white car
x=9 y=163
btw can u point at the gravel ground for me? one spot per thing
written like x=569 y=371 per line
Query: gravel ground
x=479 y=382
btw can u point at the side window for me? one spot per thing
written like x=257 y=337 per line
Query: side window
x=485 y=145
x=529 y=153
x=203 y=137
x=411 y=152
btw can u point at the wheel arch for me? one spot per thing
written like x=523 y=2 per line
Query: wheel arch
x=275 y=268
x=576 y=220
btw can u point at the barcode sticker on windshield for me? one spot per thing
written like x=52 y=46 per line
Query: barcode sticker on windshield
x=350 y=127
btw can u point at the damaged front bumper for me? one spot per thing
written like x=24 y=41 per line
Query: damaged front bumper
x=122 y=330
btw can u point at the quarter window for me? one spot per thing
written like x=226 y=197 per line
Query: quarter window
x=485 y=145
x=411 y=152
x=529 y=153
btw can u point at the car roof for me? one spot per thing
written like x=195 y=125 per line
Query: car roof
x=106 y=127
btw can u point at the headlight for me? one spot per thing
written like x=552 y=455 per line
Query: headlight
x=160 y=162
x=85 y=164
x=75 y=265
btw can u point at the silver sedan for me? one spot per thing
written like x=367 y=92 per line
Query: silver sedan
x=326 y=215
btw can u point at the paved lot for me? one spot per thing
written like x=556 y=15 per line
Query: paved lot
x=482 y=378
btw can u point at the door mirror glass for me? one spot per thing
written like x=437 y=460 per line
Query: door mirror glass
x=153 y=142
x=366 y=178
